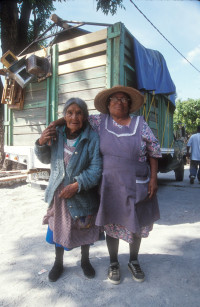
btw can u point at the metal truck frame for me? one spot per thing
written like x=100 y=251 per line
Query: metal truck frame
x=81 y=67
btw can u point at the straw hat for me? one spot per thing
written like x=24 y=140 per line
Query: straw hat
x=101 y=99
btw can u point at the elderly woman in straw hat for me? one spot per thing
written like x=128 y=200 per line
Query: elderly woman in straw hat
x=128 y=205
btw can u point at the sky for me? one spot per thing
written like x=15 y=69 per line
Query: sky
x=178 y=21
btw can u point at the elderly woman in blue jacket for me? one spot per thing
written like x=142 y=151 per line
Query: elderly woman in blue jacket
x=76 y=168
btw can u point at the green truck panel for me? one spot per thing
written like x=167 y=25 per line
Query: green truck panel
x=81 y=67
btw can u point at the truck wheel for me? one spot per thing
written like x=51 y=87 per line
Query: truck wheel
x=179 y=173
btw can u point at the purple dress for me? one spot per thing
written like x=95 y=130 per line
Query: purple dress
x=125 y=208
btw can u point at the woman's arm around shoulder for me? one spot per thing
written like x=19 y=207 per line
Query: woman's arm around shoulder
x=95 y=121
x=57 y=122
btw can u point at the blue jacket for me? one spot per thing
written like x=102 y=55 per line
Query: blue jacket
x=85 y=167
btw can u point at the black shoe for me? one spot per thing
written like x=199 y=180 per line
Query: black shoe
x=192 y=179
x=114 y=273
x=88 y=269
x=136 y=271
x=55 y=272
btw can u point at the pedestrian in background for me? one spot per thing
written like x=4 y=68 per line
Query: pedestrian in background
x=194 y=144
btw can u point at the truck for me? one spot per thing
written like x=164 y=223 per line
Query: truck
x=81 y=66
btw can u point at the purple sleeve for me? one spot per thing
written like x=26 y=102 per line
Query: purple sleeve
x=151 y=145
x=95 y=121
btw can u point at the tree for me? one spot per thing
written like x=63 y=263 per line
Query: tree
x=109 y=6
x=187 y=114
x=22 y=21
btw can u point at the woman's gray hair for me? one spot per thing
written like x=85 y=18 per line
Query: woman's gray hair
x=81 y=103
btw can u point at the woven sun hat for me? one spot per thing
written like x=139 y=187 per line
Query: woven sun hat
x=101 y=99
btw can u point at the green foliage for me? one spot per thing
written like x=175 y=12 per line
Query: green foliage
x=41 y=10
x=109 y=6
x=30 y=18
x=187 y=114
x=22 y=21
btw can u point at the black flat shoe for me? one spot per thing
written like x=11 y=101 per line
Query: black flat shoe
x=88 y=269
x=55 y=272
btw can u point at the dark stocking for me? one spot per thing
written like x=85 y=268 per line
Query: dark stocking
x=86 y=266
x=134 y=248
x=113 y=246
x=57 y=268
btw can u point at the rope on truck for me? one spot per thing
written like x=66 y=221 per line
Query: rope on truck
x=156 y=118
x=152 y=100
x=167 y=116
x=144 y=109
x=146 y=116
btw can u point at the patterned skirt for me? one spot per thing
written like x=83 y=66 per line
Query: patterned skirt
x=66 y=231
x=63 y=230
x=120 y=232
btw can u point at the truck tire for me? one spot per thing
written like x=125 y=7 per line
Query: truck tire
x=179 y=172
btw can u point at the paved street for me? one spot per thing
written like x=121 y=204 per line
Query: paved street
x=170 y=257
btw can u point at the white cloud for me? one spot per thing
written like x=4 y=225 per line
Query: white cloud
x=193 y=55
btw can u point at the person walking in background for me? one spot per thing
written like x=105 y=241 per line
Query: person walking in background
x=76 y=168
x=193 y=145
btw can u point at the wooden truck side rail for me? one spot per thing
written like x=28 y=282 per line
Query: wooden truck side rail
x=81 y=67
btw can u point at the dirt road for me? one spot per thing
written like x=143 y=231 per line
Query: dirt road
x=170 y=257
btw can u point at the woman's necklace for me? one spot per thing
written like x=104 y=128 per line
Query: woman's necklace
x=71 y=140
x=72 y=143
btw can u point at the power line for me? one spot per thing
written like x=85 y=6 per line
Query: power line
x=163 y=36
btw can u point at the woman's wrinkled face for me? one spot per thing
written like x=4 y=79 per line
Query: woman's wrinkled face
x=119 y=105
x=74 y=118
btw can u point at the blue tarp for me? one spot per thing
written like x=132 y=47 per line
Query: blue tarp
x=151 y=71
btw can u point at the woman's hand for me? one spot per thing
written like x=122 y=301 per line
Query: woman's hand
x=69 y=191
x=152 y=187
x=47 y=135
x=50 y=132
